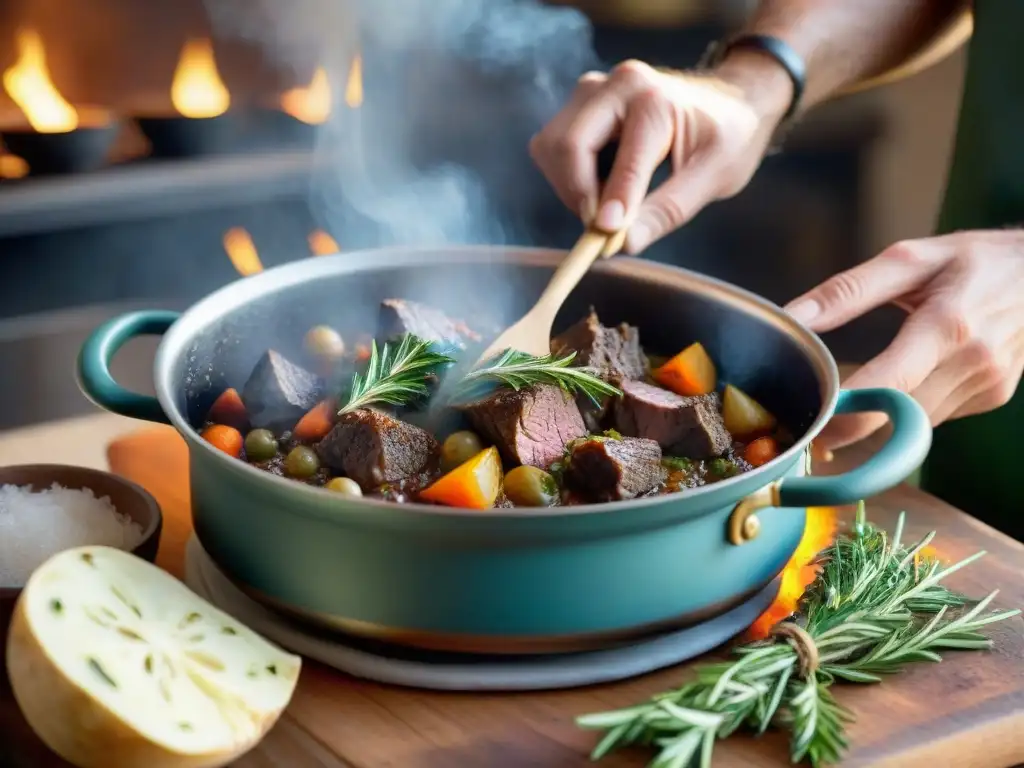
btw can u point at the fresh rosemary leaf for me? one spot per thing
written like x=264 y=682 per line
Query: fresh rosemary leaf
x=396 y=374
x=874 y=607
x=519 y=370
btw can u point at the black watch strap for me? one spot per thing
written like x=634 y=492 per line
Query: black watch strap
x=777 y=49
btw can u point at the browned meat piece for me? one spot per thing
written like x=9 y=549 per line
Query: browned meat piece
x=279 y=392
x=614 y=353
x=683 y=426
x=608 y=469
x=374 y=448
x=399 y=316
x=531 y=426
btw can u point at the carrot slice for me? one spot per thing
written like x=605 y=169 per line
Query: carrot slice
x=691 y=372
x=744 y=417
x=229 y=409
x=474 y=484
x=761 y=451
x=224 y=438
x=317 y=422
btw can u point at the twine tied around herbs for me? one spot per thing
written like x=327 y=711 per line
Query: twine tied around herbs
x=802 y=642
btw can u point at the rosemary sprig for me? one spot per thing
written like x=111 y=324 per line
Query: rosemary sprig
x=395 y=374
x=874 y=607
x=517 y=370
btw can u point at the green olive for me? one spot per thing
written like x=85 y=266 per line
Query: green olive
x=260 y=445
x=301 y=462
x=323 y=341
x=458 y=448
x=345 y=486
x=530 y=487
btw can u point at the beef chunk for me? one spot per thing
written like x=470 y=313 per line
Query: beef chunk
x=531 y=426
x=374 y=448
x=614 y=354
x=279 y=392
x=684 y=426
x=608 y=469
x=399 y=317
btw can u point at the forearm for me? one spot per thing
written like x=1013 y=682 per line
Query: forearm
x=841 y=42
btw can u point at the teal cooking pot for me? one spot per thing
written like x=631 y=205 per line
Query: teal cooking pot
x=505 y=580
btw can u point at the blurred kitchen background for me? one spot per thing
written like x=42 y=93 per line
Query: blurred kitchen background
x=155 y=151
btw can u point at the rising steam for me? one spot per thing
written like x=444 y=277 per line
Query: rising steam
x=453 y=90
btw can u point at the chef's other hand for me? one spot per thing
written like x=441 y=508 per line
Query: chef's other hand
x=715 y=126
x=961 y=349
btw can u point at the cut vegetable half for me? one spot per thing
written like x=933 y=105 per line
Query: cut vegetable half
x=744 y=417
x=116 y=664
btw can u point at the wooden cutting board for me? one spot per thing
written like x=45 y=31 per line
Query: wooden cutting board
x=966 y=712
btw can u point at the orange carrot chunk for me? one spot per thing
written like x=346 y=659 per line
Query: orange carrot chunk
x=224 y=438
x=229 y=409
x=761 y=451
x=317 y=422
x=691 y=372
x=744 y=417
x=474 y=484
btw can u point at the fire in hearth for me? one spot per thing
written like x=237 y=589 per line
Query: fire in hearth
x=354 y=86
x=28 y=83
x=242 y=252
x=197 y=90
x=819 y=532
x=322 y=244
x=312 y=103
x=12 y=166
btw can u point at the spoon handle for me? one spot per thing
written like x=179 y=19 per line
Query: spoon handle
x=592 y=245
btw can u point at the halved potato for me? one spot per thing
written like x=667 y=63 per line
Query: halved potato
x=116 y=664
x=743 y=416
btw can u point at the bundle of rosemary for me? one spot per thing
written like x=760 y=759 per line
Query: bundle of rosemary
x=874 y=607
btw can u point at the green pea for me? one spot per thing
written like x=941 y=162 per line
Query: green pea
x=676 y=464
x=260 y=445
x=458 y=448
x=530 y=487
x=723 y=468
x=301 y=463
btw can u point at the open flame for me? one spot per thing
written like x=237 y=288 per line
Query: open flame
x=819 y=532
x=354 y=86
x=28 y=83
x=242 y=252
x=197 y=90
x=322 y=244
x=310 y=104
x=12 y=166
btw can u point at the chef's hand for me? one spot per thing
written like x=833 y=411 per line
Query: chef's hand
x=960 y=350
x=716 y=128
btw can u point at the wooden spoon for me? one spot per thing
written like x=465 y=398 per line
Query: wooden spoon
x=532 y=333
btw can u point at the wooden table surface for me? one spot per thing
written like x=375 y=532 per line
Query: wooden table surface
x=966 y=712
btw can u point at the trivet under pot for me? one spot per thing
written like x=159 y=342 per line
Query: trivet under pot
x=458 y=672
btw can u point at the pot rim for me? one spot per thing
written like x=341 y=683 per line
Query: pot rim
x=223 y=301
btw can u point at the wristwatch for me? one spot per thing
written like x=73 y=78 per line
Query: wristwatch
x=773 y=47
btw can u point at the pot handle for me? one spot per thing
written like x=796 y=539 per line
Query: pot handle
x=98 y=351
x=904 y=452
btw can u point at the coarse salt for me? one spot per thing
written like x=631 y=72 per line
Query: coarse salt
x=34 y=525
